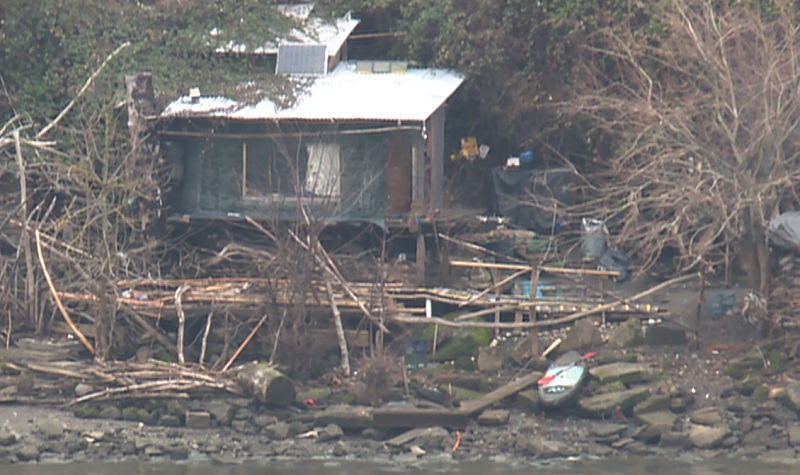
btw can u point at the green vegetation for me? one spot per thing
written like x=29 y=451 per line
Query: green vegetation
x=48 y=48
x=518 y=55
x=619 y=88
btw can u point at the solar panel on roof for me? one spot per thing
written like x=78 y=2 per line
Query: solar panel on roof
x=302 y=59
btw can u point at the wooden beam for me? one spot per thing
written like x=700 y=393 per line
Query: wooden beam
x=508 y=389
x=522 y=267
x=477 y=248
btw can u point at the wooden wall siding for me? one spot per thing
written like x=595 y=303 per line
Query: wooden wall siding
x=418 y=176
x=436 y=157
x=398 y=175
x=383 y=174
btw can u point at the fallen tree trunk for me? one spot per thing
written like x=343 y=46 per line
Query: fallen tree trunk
x=265 y=383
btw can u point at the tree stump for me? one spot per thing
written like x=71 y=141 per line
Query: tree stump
x=265 y=383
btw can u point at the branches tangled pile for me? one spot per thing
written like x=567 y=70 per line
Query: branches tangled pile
x=701 y=128
x=83 y=199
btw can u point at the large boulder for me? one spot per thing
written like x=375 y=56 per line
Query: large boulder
x=705 y=437
x=605 y=405
x=627 y=373
x=657 y=335
x=708 y=416
x=656 y=424
x=792 y=398
x=627 y=334
x=583 y=335
x=654 y=403
x=349 y=417
x=533 y=445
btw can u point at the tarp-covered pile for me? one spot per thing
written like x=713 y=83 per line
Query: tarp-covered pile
x=531 y=198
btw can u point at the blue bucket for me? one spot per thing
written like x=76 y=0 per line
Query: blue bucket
x=526 y=157
x=525 y=289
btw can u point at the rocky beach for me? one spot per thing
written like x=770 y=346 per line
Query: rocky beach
x=646 y=396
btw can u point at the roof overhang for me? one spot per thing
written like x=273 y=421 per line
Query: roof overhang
x=343 y=95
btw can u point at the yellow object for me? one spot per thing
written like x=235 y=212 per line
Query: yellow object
x=469 y=147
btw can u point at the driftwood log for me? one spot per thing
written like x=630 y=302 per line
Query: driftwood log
x=265 y=383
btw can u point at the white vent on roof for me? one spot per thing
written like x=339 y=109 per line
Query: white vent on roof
x=301 y=59
x=382 y=67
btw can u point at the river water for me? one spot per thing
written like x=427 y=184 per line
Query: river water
x=605 y=467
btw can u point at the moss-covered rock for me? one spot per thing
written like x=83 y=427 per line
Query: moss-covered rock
x=464 y=343
x=110 y=412
x=87 y=411
x=606 y=405
x=761 y=393
x=627 y=335
x=130 y=413
x=746 y=386
x=777 y=360
x=616 y=356
x=529 y=399
x=628 y=373
x=748 y=365
x=654 y=403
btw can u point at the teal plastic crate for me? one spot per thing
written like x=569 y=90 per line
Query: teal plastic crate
x=720 y=303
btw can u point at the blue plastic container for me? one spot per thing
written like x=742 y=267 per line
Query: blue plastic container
x=720 y=303
x=525 y=289
x=526 y=157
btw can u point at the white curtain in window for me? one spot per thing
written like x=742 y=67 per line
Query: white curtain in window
x=324 y=170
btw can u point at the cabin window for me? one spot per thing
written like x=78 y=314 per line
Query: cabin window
x=323 y=174
x=272 y=167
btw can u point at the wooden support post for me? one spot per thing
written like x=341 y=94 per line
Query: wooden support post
x=244 y=169
x=497 y=292
x=25 y=240
x=534 y=335
x=518 y=319
x=421 y=258
x=699 y=310
x=603 y=316
x=337 y=324
x=142 y=109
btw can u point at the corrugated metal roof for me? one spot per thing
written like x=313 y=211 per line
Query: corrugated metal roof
x=344 y=94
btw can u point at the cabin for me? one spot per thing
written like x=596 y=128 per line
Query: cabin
x=348 y=141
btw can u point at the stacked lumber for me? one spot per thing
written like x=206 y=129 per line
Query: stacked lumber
x=126 y=380
x=158 y=298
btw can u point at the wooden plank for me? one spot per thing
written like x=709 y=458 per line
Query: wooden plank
x=414 y=417
x=518 y=267
x=508 y=389
x=422 y=419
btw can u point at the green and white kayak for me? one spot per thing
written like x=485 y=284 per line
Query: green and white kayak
x=563 y=379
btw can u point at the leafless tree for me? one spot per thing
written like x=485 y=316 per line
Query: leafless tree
x=697 y=130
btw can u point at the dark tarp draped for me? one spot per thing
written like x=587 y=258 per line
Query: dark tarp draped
x=529 y=197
